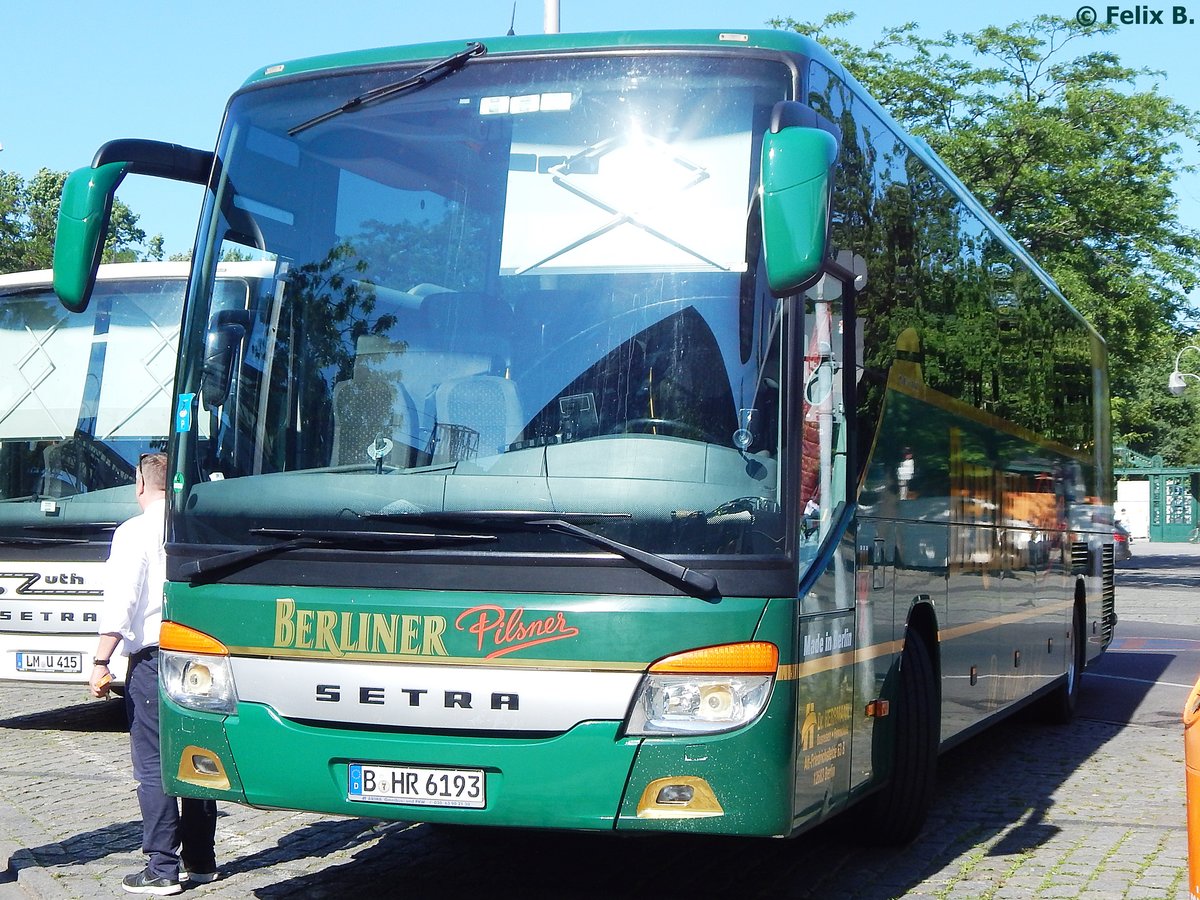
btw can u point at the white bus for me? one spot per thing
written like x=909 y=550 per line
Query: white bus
x=81 y=398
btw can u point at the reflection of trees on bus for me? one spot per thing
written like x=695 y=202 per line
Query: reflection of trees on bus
x=327 y=308
x=990 y=333
x=413 y=253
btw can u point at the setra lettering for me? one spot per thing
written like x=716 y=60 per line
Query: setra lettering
x=7 y=615
x=380 y=696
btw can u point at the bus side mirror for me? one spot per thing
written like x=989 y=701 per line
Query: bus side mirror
x=86 y=207
x=225 y=333
x=83 y=215
x=797 y=166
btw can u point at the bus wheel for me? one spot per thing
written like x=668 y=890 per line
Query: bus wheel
x=1059 y=706
x=895 y=815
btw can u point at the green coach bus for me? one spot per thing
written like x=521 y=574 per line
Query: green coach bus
x=639 y=432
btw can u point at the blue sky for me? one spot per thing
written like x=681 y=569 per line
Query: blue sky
x=74 y=75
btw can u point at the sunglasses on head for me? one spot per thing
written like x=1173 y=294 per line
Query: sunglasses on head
x=142 y=457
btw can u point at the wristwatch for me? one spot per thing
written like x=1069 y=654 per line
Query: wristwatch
x=100 y=662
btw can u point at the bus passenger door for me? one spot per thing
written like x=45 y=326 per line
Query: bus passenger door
x=838 y=612
x=874 y=608
x=869 y=547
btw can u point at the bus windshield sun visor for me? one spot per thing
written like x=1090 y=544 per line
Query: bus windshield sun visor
x=212 y=568
x=696 y=584
x=428 y=75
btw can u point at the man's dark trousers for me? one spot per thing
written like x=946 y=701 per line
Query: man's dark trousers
x=163 y=828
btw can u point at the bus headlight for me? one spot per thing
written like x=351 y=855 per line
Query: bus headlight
x=728 y=687
x=194 y=670
x=198 y=682
x=691 y=704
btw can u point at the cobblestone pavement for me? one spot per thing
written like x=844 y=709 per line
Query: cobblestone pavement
x=1092 y=810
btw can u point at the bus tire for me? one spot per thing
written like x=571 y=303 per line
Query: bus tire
x=1058 y=707
x=895 y=815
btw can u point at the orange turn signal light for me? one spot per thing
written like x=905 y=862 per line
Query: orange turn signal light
x=748 y=658
x=180 y=638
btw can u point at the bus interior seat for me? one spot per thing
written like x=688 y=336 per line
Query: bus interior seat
x=60 y=459
x=477 y=415
x=455 y=335
x=447 y=368
x=374 y=403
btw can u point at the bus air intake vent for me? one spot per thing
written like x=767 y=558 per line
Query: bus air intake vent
x=1079 y=558
x=1108 y=609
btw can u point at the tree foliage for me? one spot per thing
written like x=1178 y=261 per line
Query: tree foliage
x=1069 y=149
x=29 y=215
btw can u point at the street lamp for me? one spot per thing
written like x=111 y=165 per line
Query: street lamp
x=1177 y=382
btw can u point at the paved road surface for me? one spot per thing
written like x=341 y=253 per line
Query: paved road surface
x=1092 y=810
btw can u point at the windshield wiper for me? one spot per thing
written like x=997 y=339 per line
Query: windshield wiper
x=79 y=528
x=15 y=541
x=73 y=527
x=697 y=584
x=428 y=75
x=209 y=569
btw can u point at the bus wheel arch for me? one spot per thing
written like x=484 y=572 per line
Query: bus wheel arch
x=922 y=620
x=1059 y=706
x=895 y=814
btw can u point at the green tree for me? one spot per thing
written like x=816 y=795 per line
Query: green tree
x=11 y=191
x=154 y=248
x=1078 y=159
x=29 y=215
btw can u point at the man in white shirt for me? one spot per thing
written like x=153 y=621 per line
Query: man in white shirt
x=130 y=618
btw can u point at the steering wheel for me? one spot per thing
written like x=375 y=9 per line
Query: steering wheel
x=672 y=426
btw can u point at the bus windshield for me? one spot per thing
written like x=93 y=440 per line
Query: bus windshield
x=526 y=287
x=82 y=396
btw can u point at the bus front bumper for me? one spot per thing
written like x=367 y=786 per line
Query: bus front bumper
x=589 y=778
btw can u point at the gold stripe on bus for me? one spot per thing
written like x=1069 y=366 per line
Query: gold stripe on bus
x=460 y=661
x=837 y=660
x=794 y=671
x=946 y=634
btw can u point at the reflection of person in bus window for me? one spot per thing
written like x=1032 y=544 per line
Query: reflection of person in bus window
x=905 y=472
